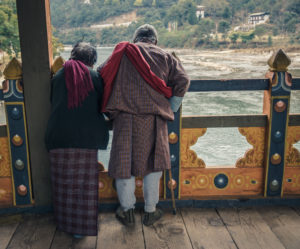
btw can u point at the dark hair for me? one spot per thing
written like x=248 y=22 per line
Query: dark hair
x=145 y=33
x=85 y=53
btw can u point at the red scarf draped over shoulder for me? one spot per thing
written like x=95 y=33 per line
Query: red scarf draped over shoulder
x=110 y=70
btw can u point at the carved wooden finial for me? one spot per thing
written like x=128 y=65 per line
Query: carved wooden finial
x=13 y=70
x=279 y=61
x=57 y=64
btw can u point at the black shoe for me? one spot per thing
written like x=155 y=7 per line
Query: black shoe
x=150 y=218
x=127 y=218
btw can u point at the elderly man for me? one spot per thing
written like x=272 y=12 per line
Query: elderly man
x=143 y=86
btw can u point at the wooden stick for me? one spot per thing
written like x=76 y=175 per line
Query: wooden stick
x=172 y=192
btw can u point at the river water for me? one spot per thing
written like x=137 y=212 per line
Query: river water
x=221 y=146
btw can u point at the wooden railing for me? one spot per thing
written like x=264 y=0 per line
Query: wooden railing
x=271 y=168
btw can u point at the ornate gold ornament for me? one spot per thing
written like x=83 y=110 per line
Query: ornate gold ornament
x=57 y=64
x=254 y=157
x=13 y=70
x=279 y=61
x=189 y=157
x=292 y=155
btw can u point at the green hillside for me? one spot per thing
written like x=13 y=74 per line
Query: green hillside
x=73 y=19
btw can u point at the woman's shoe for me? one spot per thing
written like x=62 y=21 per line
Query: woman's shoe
x=78 y=236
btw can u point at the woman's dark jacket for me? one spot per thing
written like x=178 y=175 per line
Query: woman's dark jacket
x=80 y=127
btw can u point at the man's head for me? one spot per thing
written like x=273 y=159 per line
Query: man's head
x=85 y=53
x=145 y=33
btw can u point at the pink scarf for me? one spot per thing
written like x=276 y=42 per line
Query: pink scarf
x=78 y=82
x=110 y=70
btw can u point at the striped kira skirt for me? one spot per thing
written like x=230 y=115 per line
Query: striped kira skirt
x=74 y=175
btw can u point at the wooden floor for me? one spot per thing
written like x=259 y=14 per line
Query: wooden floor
x=265 y=227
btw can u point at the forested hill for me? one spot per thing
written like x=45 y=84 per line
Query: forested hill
x=177 y=23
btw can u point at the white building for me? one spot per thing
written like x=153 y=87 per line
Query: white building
x=258 y=18
x=200 y=11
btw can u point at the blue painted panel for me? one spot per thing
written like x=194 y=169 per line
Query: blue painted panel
x=235 y=85
x=17 y=126
x=1 y=95
x=229 y=85
x=275 y=171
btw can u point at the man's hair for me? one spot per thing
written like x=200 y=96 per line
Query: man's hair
x=85 y=53
x=145 y=33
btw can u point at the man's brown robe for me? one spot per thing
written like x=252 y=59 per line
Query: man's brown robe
x=140 y=114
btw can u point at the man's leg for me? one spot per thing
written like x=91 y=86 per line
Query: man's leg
x=125 y=190
x=151 y=197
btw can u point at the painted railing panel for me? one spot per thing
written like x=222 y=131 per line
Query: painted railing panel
x=16 y=145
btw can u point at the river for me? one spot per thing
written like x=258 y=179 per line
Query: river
x=221 y=146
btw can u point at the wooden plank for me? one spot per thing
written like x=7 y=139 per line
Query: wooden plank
x=285 y=223
x=229 y=85
x=297 y=210
x=224 y=121
x=6 y=194
x=113 y=234
x=62 y=240
x=206 y=229
x=291 y=183
x=168 y=232
x=36 y=60
x=200 y=182
x=88 y=242
x=34 y=232
x=8 y=226
x=248 y=229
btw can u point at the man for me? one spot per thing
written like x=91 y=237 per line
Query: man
x=143 y=83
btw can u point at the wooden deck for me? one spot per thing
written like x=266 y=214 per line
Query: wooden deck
x=262 y=227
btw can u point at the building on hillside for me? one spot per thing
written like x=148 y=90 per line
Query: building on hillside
x=87 y=1
x=200 y=12
x=258 y=18
x=172 y=26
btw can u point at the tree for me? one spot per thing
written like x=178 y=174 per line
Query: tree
x=223 y=27
x=226 y=13
x=9 y=33
x=233 y=37
x=260 y=30
x=270 y=42
x=247 y=36
x=205 y=28
x=138 y=3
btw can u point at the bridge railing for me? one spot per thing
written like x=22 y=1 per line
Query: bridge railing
x=271 y=168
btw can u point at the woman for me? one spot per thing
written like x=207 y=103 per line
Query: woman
x=76 y=130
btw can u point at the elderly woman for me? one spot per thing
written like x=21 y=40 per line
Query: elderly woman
x=76 y=130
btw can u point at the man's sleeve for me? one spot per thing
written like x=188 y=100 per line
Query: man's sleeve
x=179 y=81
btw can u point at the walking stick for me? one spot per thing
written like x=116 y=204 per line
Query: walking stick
x=172 y=191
